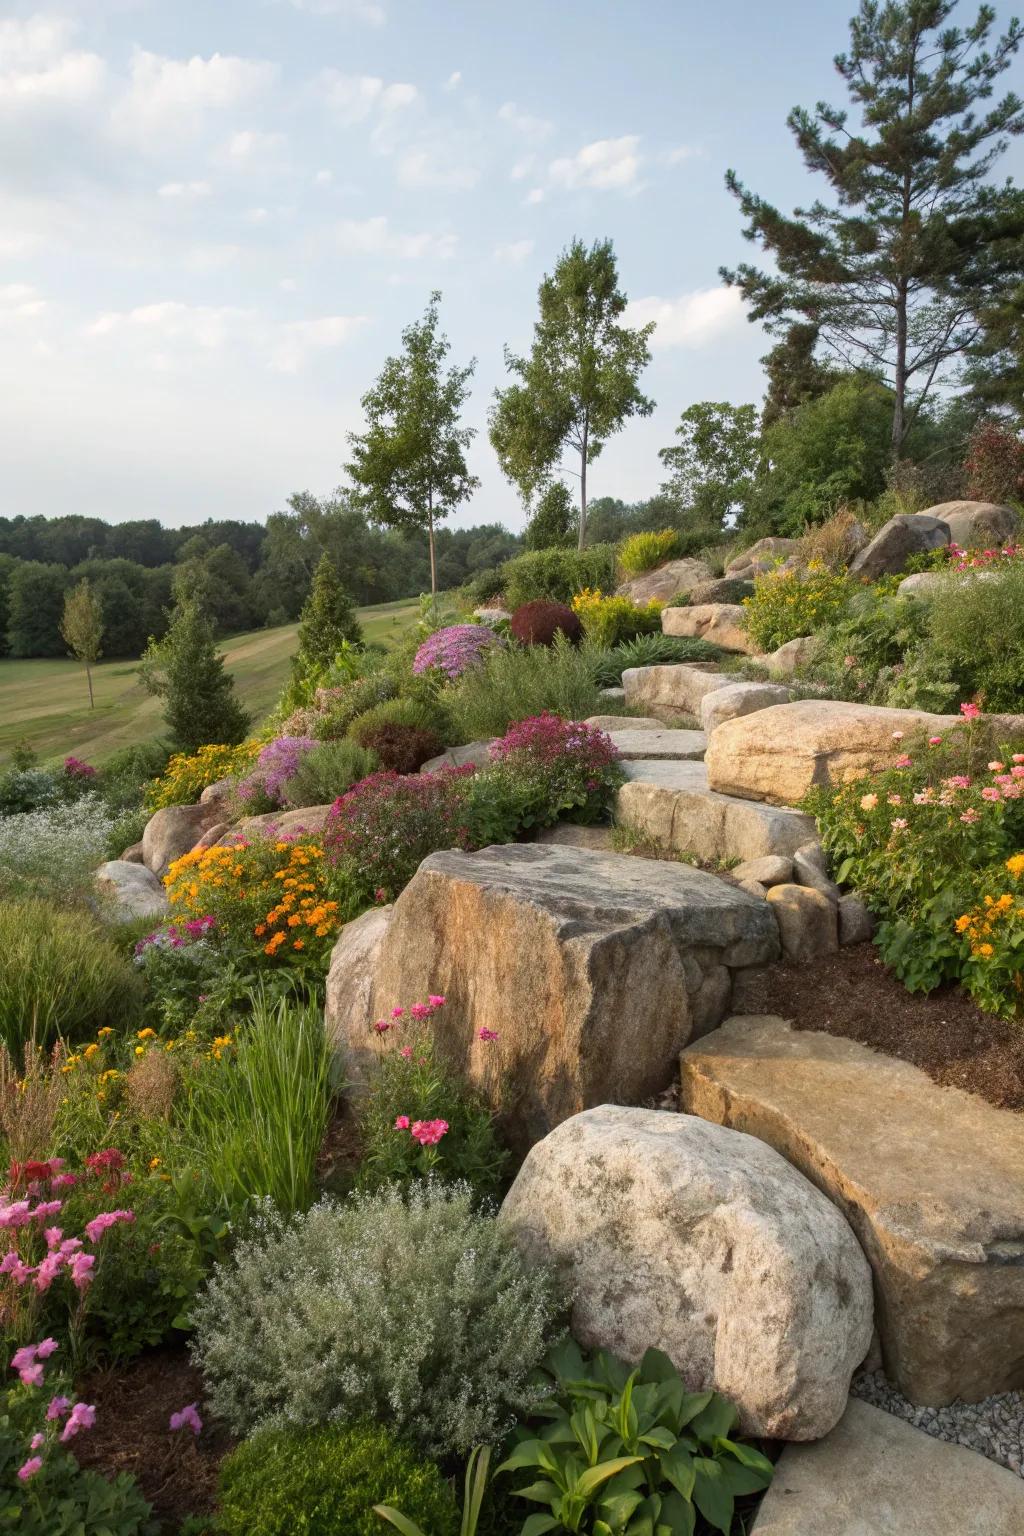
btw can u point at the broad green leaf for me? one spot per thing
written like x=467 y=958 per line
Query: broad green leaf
x=565 y=1360
x=539 y=1493
x=660 y=1437
x=717 y=1418
x=539 y=1525
x=589 y=1481
x=678 y=1515
x=693 y=1404
x=657 y=1367
x=677 y=1466
x=748 y=1455
x=710 y=1495
x=526 y=1454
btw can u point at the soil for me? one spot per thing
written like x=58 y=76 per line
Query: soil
x=943 y=1032
x=177 y=1472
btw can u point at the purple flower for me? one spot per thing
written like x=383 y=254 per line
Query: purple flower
x=82 y=1416
x=454 y=649
x=187 y=1418
x=277 y=763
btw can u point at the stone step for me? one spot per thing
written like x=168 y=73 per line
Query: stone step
x=680 y=686
x=874 y=1475
x=931 y=1179
x=671 y=803
x=721 y=624
x=660 y=746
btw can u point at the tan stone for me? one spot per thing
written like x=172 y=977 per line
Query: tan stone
x=874 y=1475
x=779 y=754
x=173 y=831
x=903 y=536
x=665 y=581
x=672 y=804
x=131 y=891
x=667 y=745
x=476 y=752
x=625 y=722
x=721 y=624
x=680 y=687
x=770 y=870
x=764 y=555
x=308 y=821
x=677 y=1234
x=350 y=975
x=931 y=1180
x=740 y=699
x=792 y=657
x=974 y=524
x=808 y=924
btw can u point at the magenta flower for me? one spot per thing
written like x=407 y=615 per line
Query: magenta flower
x=428 y=1132
x=436 y=1001
x=970 y=711
x=483 y=1033
x=382 y=1026
x=58 y=1407
x=47 y=1348
x=95 y=1228
x=397 y=1013
x=402 y=1123
x=81 y=1269
x=37 y=1440
x=455 y=649
x=406 y=1053
x=187 y=1418
x=15 y=1214
x=47 y=1271
x=934 y=741
x=29 y=1468
x=32 y=1376
x=47 y=1208
x=23 y=1357
x=82 y=1416
x=904 y=761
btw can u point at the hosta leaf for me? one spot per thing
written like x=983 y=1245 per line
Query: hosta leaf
x=589 y=1481
x=657 y=1367
x=678 y=1515
x=527 y=1453
x=539 y=1525
x=539 y=1493
x=660 y=1437
x=710 y=1495
x=692 y=1404
x=717 y=1419
x=565 y=1360
x=677 y=1466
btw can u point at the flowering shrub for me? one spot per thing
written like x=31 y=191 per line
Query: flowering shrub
x=77 y=770
x=418 y=1119
x=182 y=966
x=983 y=559
x=188 y=774
x=643 y=551
x=54 y=850
x=405 y=1306
x=538 y=623
x=608 y=621
x=557 y=766
x=788 y=604
x=277 y=763
x=455 y=648
x=385 y=826
x=993 y=931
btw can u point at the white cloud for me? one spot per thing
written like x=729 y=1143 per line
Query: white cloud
x=168 y=99
x=528 y=127
x=692 y=320
x=201 y=325
x=288 y=285
x=36 y=68
x=354 y=97
x=358 y=10
x=606 y=164
x=19 y=301
x=374 y=237
x=534 y=196
x=522 y=168
x=169 y=333
x=514 y=252
x=682 y=152
x=185 y=189
x=297 y=340
x=250 y=144
x=419 y=168
x=454 y=80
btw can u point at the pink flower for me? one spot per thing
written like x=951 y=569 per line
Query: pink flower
x=382 y=1026
x=402 y=1123
x=53 y=1236
x=970 y=815
x=970 y=711
x=47 y=1208
x=70 y=1245
x=22 y=1357
x=32 y=1376
x=868 y=802
x=439 y=1002
x=47 y=1271
x=64 y=1181
x=904 y=761
x=897 y=735
x=47 y=1348
x=990 y=792
x=58 y=1407
x=82 y=1416
x=895 y=799
x=81 y=1269
x=397 y=1013
x=958 y=781
x=1018 y=757
x=187 y=1418
x=996 y=767
x=849 y=661
x=483 y=1033
x=1017 y=771
x=37 y=1440
x=16 y=1214
x=429 y=1132
x=934 y=741
x=95 y=1229
x=899 y=824
x=421 y=1010
x=406 y=1053
x=29 y=1468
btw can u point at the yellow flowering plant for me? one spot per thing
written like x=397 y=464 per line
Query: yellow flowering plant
x=789 y=603
x=188 y=774
x=992 y=933
x=608 y=620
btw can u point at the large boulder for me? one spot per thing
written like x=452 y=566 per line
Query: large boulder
x=739 y=699
x=307 y=822
x=976 y=524
x=762 y=556
x=593 y=968
x=931 y=1180
x=903 y=536
x=665 y=582
x=174 y=830
x=779 y=754
x=679 y=687
x=721 y=589
x=677 y=1234
x=351 y=973
x=672 y=805
x=722 y=624
x=877 y=1476
x=131 y=891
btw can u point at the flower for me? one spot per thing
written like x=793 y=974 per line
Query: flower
x=402 y=1123
x=81 y=1267
x=382 y=1026
x=899 y=824
x=429 y=1132
x=996 y=767
x=406 y=1053
x=82 y=1416
x=897 y=735
x=454 y=649
x=483 y=1033
x=905 y=761
x=868 y=802
x=95 y=1228
x=57 y=1407
x=187 y=1418
x=47 y=1348
x=970 y=711
x=29 y=1468
x=397 y=1013
x=934 y=741
x=970 y=815
x=436 y=1001
x=37 y=1440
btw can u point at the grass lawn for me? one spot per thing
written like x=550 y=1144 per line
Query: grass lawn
x=46 y=703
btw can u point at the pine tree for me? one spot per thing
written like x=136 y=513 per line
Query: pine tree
x=894 y=269
x=187 y=672
x=327 y=622
x=82 y=629
x=555 y=520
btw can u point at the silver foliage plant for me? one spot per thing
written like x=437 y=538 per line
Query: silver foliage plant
x=418 y=1312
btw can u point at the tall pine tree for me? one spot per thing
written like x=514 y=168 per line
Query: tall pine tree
x=187 y=672
x=327 y=622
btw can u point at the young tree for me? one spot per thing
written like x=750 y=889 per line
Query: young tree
x=409 y=466
x=579 y=384
x=711 y=469
x=554 y=521
x=893 y=271
x=82 y=629
x=187 y=672
x=327 y=622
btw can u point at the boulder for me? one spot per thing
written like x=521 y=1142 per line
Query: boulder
x=593 y=968
x=350 y=975
x=612 y=695
x=132 y=854
x=172 y=831
x=672 y=804
x=704 y=1243
x=903 y=536
x=665 y=582
x=308 y=821
x=721 y=589
x=475 y=752
x=976 y=524
x=665 y=744
x=218 y=793
x=779 y=754
x=791 y=657
x=213 y=834
x=679 y=687
x=874 y=1475
x=931 y=1179
x=132 y=891
x=856 y=925
x=808 y=925
x=810 y=868
x=921 y=584
x=625 y=722
x=771 y=870
x=762 y=556
x=565 y=834
x=722 y=624
x=739 y=699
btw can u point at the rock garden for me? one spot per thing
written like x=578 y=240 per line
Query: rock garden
x=563 y=1074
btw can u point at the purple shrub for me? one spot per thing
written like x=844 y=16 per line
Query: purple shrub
x=276 y=764
x=454 y=649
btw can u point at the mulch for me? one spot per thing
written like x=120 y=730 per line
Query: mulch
x=942 y=1032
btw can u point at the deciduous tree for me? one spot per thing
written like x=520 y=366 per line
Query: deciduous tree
x=82 y=629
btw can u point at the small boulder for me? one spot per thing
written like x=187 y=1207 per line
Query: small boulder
x=665 y=582
x=856 y=925
x=704 y=1243
x=213 y=835
x=722 y=624
x=791 y=657
x=350 y=974
x=308 y=821
x=976 y=524
x=678 y=687
x=771 y=870
x=739 y=699
x=903 y=536
x=132 y=854
x=921 y=584
x=566 y=834
x=132 y=891
x=173 y=831
x=810 y=869
x=807 y=920
x=721 y=589
x=218 y=793
x=625 y=723
x=764 y=555
x=475 y=752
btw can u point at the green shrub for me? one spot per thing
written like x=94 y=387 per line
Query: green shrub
x=61 y=975
x=328 y=771
x=517 y=682
x=336 y=707
x=977 y=634
x=862 y=653
x=406 y=1306
x=643 y=551
x=486 y=586
x=325 y=1482
x=125 y=831
x=608 y=620
x=650 y=651
x=403 y=748
x=421 y=714
x=557 y=573
x=788 y=604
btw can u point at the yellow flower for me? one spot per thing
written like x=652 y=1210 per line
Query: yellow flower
x=986 y=950
x=101 y=1034
x=146 y=1034
x=140 y=1050
x=90 y=1051
x=1015 y=864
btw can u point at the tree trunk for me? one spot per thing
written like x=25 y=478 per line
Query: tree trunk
x=88 y=678
x=583 y=490
x=433 y=560
x=900 y=381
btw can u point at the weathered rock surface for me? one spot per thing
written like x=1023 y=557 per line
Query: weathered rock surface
x=808 y=923
x=771 y=870
x=877 y=1476
x=856 y=925
x=476 y=752
x=132 y=854
x=565 y=834
x=665 y=582
x=625 y=722
x=172 y=831
x=903 y=536
x=708 y=1245
x=718 y=623
x=931 y=1180
x=673 y=804
x=778 y=754
x=670 y=746
x=593 y=968
x=788 y=660
x=976 y=524
x=350 y=975
x=309 y=821
x=218 y=793
x=740 y=699
x=721 y=589
x=213 y=834
x=810 y=868
x=921 y=584
x=763 y=555
x=132 y=890
x=679 y=687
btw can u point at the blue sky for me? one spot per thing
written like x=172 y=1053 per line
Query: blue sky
x=217 y=215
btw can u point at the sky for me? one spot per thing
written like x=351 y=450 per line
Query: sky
x=216 y=216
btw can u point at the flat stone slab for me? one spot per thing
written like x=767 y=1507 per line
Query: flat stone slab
x=722 y=624
x=625 y=722
x=672 y=803
x=566 y=834
x=679 y=686
x=931 y=1179
x=667 y=745
x=874 y=1475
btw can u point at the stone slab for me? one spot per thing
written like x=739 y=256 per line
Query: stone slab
x=475 y=752
x=680 y=686
x=874 y=1475
x=672 y=746
x=672 y=803
x=722 y=624
x=625 y=722
x=931 y=1179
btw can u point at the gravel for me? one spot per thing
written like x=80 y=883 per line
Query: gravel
x=995 y=1426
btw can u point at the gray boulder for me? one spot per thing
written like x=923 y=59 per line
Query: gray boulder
x=131 y=891
x=764 y=555
x=173 y=831
x=665 y=582
x=976 y=524
x=807 y=920
x=721 y=589
x=903 y=536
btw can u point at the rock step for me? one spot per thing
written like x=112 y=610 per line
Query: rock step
x=672 y=803
x=680 y=686
x=660 y=746
x=931 y=1179
x=721 y=624
x=874 y=1475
